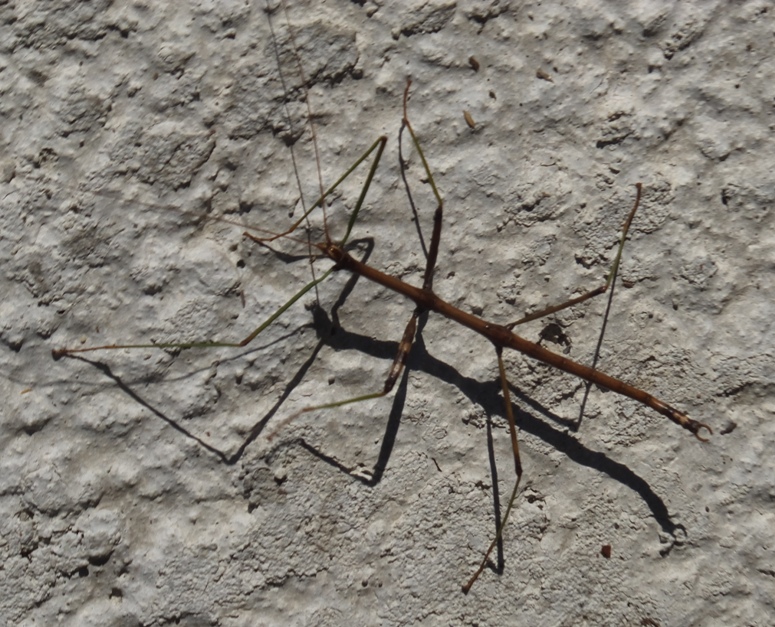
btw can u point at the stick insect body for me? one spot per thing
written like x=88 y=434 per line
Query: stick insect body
x=425 y=300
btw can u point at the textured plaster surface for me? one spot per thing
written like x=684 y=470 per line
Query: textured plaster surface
x=140 y=488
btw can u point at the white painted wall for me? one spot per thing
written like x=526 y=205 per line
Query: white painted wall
x=127 y=494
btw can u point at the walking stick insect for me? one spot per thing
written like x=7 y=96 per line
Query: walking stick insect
x=426 y=301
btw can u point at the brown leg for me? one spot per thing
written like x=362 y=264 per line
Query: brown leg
x=404 y=348
x=598 y=290
x=517 y=468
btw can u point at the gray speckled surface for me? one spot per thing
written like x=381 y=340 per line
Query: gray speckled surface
x=132 y=488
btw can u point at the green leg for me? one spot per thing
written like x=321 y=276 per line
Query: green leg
x=379 y=146
x=433 y=252
x=607 y=287
x=404 y=348
x=505 y=386
x=58 y=353
x=427 y=285
x=599 y=290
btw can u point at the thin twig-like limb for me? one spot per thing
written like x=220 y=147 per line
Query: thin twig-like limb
x=313 y=134
x=310 y=125
x=379 y=146
x=58 y=353
x=517 y=469
x=404 y=348
x=611 y=281
x=433 y=252
x=407 y=341
x=608 y=286
x=598 y=290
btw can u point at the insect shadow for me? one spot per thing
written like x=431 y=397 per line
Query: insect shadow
x=332 y=334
